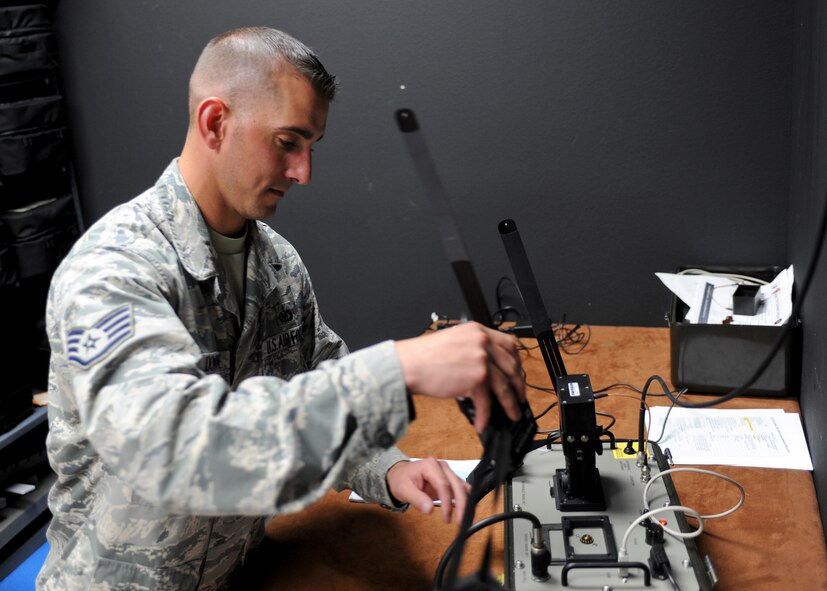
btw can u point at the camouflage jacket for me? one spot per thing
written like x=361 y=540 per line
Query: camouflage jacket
x=169 y=444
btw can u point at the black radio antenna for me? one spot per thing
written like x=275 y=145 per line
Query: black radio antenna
x=527 y=285
x=445 y=219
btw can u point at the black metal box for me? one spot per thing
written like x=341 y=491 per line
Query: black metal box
x=717 y=358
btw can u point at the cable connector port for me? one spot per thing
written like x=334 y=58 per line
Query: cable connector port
x=540 y=561
x=640 y=459
x=623 y=571
x=658 y=560
x=654 y=533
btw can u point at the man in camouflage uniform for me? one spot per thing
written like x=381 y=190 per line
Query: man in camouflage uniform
x=194 y=388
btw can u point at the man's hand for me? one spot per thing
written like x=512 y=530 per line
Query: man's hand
x=467 y=360
x=422 y=482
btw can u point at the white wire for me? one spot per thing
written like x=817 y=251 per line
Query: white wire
x=729 y=511
x=649 y=514
x=734 y=276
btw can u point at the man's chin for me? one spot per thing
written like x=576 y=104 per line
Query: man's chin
x=266 y=212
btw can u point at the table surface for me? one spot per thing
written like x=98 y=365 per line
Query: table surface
x=775 y=541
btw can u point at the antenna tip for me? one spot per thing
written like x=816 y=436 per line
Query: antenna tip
x=406 y=120
x=507 y=226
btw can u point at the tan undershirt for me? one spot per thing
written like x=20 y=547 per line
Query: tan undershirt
x=233 y=254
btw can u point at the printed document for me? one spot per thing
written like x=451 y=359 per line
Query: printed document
x=763 y=438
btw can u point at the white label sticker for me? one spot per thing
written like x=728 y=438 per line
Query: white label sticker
x=574 y=389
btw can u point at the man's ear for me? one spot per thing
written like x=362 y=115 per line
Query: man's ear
x=212 y=121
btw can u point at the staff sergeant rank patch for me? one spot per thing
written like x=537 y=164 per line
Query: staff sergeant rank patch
x=86 y=346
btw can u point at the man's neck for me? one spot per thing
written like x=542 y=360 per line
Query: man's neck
x=202 y=188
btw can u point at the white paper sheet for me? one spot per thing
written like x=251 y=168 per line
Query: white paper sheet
x=764 y=438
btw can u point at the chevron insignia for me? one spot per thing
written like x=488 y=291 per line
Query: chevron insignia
x=86 y=346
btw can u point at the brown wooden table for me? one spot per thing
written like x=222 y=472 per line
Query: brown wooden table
x=775 y=541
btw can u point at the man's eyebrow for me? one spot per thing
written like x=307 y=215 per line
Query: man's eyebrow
x=302 y=131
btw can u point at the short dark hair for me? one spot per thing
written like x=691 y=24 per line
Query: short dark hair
x=238 y=61
x=280 y=46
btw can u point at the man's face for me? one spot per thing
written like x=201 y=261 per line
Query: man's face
x=268 y=147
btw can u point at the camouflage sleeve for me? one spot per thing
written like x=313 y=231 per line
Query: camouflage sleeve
x=327 y=344
x=367 y=479
x=174 y=433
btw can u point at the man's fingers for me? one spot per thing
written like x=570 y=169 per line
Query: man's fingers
x=504 y=374
x=436 y=485
x=482 y=407
x=436 y=481
x=505 y=392
x=460 y=490
x=451 y=491
x=506 y=357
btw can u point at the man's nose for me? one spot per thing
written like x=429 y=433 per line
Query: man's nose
x=299 y=171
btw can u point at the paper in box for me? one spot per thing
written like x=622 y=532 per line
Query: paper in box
x=717 y=358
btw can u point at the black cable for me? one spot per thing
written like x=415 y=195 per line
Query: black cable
x=618 y=385
x=551 y=438
x=606 y=414
x=630 y=387
x=671 y=578
x=788 y=326
x=574 y=341
x=666 y=419
x=523 y=347
x=481 y=524
x=641 y=449
x=545 y=412
x=644 y=409
x=475 y=495
x=547 y=389
x=567 y=335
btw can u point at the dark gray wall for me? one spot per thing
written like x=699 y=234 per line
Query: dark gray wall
x=623 y=137
x=807 y=205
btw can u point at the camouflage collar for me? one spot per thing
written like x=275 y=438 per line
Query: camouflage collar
x=190 y=235
x=187 y=227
